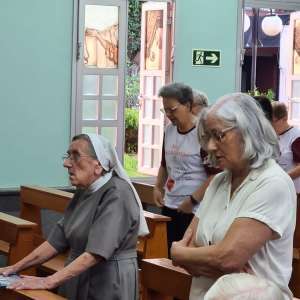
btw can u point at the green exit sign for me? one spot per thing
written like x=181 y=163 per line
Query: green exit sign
x=203 y=57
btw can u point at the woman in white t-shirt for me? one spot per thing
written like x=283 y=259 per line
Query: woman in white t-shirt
x=182 y=177
x=247 y=217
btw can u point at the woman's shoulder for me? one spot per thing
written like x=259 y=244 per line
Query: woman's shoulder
x=273 y=176
x=118 y=185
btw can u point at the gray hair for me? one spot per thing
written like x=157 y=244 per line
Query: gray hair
x=200 y=98
x=241 y=286
x=241 y=111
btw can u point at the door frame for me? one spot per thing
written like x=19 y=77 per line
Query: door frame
x=78 y=49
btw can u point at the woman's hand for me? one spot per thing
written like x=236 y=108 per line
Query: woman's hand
x=6 y=271
x=32 y=283
x=178 y=248
x=158 y=197
x=186 y=206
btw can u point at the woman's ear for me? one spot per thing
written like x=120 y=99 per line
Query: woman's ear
x=98 y=169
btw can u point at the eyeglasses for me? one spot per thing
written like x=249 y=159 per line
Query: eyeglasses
x=75 y=157
x=217 y=135
x=169 y=110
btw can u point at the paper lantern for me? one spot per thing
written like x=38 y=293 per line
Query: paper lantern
x=271 y=25
x=246 y=22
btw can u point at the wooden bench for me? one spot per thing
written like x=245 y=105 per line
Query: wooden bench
x=16 y=238
x=29 y=295
x=34 y=198
x=145 y=192
x=162 y=281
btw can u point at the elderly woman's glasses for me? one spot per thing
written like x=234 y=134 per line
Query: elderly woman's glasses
x=170 y=110
x=75 y=157
x=217 y=135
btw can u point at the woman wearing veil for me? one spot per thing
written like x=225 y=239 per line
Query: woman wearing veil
x=100 y=227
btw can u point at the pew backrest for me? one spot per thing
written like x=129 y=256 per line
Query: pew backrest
x=161 y=280
x=35 y=198
x=145 y=192
x=16 y=236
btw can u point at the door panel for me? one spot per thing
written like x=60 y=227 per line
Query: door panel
x=293 y=78
x=101 y=69
x=156 y=46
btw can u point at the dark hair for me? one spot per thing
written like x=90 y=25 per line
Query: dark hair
x=279 y=110
x=265 y=105
x=86 y=138
x=180 y=91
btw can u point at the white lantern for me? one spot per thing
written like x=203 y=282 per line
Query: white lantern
x=271 y=25
x=246 y=22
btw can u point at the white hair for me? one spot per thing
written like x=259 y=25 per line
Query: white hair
x=200 y=98
x=243 y=286
x=240 y=110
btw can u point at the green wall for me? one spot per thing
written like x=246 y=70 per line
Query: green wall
x=206 y=24
x=35 y=91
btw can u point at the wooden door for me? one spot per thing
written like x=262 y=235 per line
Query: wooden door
x=155 y=71
x=293 y=78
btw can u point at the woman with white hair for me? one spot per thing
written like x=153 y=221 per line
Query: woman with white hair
x=100 y=228
x=247 y=217
x=242 y=286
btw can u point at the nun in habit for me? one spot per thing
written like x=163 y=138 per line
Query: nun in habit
x=100 y=227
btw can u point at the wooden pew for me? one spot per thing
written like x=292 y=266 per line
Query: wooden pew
x=29 y=295
x=16 y=238
x=145 y=192
x=16 y=235
x=33 y=199
x=162 y=281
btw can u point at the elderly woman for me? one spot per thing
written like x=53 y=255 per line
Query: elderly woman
x=182 y=177
x=100 y=227
x=200 y=101
x=246 y=220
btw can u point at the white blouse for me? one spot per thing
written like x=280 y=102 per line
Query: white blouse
x=268 y=195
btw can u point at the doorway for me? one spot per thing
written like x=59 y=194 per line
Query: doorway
x=270 y=50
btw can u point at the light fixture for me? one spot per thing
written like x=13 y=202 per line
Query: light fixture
x=246 y=22
x=271 y=25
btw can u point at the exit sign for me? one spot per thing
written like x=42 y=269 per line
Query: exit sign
x=211 y=58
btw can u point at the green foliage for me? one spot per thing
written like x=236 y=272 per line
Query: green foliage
x=134 y=28
x=130 y=165
x=131 y=118
x=131 y=130
x=132 y=89
x=269 y=93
